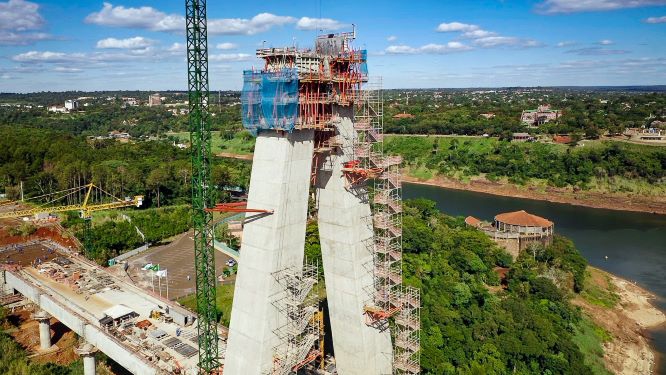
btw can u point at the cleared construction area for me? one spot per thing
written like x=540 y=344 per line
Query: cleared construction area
x=142 y=332
x=177 y=258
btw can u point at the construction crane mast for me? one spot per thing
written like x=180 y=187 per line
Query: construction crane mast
x=200 y=139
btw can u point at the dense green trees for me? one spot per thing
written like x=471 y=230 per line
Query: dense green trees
x=585 y=111
x=469 y=329
x=48 y=161
x=519 y=162
x=115 y=234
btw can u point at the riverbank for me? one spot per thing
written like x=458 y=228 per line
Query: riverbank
x=625 y=311
x=621 y=202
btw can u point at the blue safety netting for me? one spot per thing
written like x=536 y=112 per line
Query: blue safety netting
x=270 y=100
x=364 y=63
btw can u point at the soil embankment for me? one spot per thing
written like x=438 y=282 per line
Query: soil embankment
x=622 y=202
x=628 y=352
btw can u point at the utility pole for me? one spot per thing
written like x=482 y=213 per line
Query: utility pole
x=200 y=138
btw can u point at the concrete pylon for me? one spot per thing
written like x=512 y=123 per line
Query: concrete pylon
x=346 y=235
x=280 y=178
x=87 y=351
x=44 y=320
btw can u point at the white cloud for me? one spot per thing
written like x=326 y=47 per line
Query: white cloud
x=606 y=42
x=572 y=6
x=484 y=38
x=226 y=46
x=63 y=69
x=21 y=39
x=597 y=51
x=20 y=15
x=227 y=57
x=661 y=19
x=48 y=57
x=137 y=42
x=121 y=56
x=392 y=38
x=177 y=47
x=431 y=48
x=152 y=19
x=455 y=27
x=260 y=23
x=307 y=23
x=565 y=44
x=478 y=33
x=18 y=21
x=139 y=18
x=505 y=41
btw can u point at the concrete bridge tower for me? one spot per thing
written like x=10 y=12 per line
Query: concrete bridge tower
x=319 y=134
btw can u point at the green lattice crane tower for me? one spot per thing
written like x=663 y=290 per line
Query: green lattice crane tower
x=200 y=140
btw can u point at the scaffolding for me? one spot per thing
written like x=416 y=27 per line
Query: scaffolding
x=323 y=81
x=391 y=300
x=297 y=88
x=301 y=335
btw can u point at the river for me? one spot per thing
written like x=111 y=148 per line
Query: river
x=634 y=242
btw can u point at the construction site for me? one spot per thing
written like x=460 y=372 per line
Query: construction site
x=318 y=119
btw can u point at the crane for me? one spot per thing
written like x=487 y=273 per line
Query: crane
x=86 y=207
x=202 y=197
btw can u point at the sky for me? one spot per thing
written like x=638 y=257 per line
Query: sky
x=55 y=45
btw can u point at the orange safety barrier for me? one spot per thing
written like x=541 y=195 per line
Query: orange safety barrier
x=236 y=207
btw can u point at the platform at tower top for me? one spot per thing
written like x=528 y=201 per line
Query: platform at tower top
x=298 y=88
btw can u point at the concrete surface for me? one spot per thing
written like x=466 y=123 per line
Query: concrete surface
x=346 y=235
x=280 y=182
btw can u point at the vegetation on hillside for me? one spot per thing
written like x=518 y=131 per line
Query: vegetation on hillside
x=528 y=328
x=558 y=165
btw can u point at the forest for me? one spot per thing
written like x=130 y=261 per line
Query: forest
x=587 y=112
x=48 y=161
x=558 y=165
x=472 y=325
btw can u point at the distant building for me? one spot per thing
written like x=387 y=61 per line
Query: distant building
x=56 y=109
x=539 y=116
x=71 y=105
x=562 y=138
x=516 y=231
x=652 y=135
x=132 y=102
x=487 y=116
x=120 y=136
x=154 y=100
x=521 y=137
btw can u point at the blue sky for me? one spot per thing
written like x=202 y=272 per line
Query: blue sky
x=93 y=45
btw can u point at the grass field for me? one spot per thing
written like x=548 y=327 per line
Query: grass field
x=223 y=298
x=589 y=339
x=599 y=290
x=241 y=143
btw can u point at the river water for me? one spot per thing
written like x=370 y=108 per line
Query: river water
x=635 y=243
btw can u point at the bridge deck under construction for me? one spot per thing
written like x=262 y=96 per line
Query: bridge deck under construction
x=143 y=332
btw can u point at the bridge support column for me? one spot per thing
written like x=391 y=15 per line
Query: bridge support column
x=87 y=351
x=44 y=320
